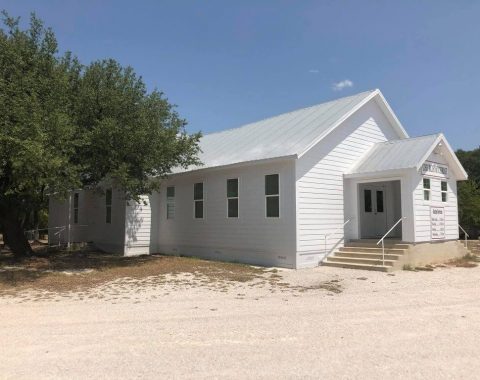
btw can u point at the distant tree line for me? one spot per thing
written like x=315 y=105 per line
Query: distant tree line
x=469 y=192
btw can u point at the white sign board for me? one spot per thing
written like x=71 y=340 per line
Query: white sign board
x=437 y=222
x=435 y=169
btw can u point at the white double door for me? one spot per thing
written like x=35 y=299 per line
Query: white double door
x=373 y=211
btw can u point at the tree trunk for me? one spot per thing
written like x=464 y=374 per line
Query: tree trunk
x=14 y=237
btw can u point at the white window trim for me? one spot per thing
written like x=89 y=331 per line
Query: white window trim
x=425 y=189
x=199 y=200
x=443 y=192
x=237 y=198
x=170 y=201
x=270 y=196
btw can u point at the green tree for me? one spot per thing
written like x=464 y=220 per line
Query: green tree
x=469 y=191
x=64 y=126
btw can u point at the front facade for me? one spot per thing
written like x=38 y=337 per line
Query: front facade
x=285 y=191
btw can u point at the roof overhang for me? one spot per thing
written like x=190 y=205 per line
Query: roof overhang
x=234 y=165
x=447 y=152
x=378 y=97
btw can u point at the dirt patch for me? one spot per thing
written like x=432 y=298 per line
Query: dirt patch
x=467 y=261
x=76 y=271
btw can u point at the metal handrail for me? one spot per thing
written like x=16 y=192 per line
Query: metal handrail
x=332 y=233
x=384 y=236
x=466 y=236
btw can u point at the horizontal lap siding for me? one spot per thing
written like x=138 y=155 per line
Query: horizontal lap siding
x=320 y=198
x=252 y=237
x=422 y=207
x=138 y=225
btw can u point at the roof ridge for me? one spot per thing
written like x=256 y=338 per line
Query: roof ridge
x=288 y=113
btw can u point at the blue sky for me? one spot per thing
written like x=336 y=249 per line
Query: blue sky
x=227 y=63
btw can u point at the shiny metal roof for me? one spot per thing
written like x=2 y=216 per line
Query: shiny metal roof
x=285 y=135
x=395 y=154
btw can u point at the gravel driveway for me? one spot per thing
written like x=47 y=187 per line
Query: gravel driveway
x=422 y=325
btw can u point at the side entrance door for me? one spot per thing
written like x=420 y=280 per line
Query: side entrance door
x=373 y=211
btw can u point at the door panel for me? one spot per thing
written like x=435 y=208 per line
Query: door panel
x=373 y=214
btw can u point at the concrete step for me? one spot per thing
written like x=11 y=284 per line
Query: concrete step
x=350 y=248
x=366 y=255
x=374 y=245
x=337 y=264
x=359 y=260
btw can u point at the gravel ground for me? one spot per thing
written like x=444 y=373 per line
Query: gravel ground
x=316 y=323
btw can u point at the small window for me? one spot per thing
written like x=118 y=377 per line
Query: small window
x=444 y=189
x=108 y=206
x=75 y=208
x=170 y=202
x=426 y=189
x=379 y=201
x=198 y=200
x=272 y=194
x=367 y=196
x=232 y=198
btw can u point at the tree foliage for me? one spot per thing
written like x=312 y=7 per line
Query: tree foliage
x=469 y=192
x=64 y=125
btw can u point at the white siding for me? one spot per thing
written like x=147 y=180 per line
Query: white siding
x=251 y=238
x=422 y=207
x=92 y=226
x=141 y=225
x=320 y=184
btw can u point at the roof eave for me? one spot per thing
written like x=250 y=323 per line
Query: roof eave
x=237 y=165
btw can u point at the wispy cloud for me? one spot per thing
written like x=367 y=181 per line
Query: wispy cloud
x=313 y=71
x=339 y=86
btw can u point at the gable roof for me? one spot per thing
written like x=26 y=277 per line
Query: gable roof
x=406 y=154
x=288 y=135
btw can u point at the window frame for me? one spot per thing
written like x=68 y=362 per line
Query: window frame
x=444 y=192
x=199 y=200
x=76 y=201
x=277 y=195
x=233 y=198
x=108 y=206
x=170 y=201
x=427 y=190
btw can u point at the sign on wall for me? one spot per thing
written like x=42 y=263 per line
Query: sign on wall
x=437 y=222
x=434 y=169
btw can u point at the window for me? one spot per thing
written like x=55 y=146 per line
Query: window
x=444 y=189
x=379 y=201
x=170 y=202
x=75 y=208
x=198 y=200
x=367 y=196
x=426 y=189
x=272 y=194
x=108 y=206
x=232 y=198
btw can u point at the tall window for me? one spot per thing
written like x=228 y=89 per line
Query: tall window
x=75 y=208
x=170 y=202
x=108 y=206
x=426 y=189
x=232 y=198
x=444 y=189
x=272 y=196
x=198 y=200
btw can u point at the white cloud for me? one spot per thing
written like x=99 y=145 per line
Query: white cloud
x=339 y=86
x=313 y=71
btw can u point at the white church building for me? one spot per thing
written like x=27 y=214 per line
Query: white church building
x=291 y=191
